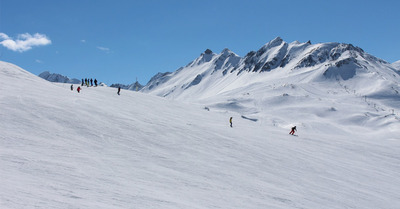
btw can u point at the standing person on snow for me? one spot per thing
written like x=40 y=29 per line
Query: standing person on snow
x=79 y=89
x=82 y=82
x=230 y=121
x=95 y=82
x=72 y=87
x=119 y=89
x=293 y=130
x=91 y=82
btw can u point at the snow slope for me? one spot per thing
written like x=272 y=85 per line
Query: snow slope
x=396 y=65
x=61 y=149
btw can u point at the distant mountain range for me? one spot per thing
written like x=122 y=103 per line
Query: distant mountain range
x=215 y=74
x=54 y=77
x=133 y=87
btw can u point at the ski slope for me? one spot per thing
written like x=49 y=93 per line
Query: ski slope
x=396 y=65
x=95 y=149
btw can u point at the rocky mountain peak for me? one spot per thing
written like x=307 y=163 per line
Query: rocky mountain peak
x=208 y=51
x=273 y=43
x=226 y=51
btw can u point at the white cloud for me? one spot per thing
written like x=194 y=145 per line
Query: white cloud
x=4 y=36
x=83 y=41
x=24 y=42
x=104 y=49
x=39 y=61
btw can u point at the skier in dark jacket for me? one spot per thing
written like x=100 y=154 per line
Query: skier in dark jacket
x=82 y=82
x=72 y=87
x=293 y=130
x=119 y=89
x=91 y=82
x=95 y=82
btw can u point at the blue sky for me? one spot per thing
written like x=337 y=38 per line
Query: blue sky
x=117 y=41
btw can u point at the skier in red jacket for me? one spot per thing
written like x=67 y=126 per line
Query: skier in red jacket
x=293 y=130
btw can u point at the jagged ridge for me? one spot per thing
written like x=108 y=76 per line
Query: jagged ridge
x=212 y=73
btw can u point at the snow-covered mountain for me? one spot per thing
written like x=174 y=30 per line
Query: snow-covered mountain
x=54 y=77
x=278 y=63
x=133 y=87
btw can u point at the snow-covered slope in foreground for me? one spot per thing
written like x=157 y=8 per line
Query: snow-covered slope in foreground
x=61 y=149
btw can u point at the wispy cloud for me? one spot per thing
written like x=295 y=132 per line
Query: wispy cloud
x=83 y=41
x=24 y=42
x=38 y=61
x=104 y=49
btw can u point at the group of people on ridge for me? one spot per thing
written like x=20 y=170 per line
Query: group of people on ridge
x=88 y=82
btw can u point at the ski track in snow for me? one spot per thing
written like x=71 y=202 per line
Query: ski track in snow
x=61 y=149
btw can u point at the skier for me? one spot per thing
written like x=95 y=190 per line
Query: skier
x=119 y=89
x=79 y=89
x=230 y=121
x=95 y=82
x=91 y=82
x=293 y=130
x=86 y=81
x=82 y=82
x=72 y=87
